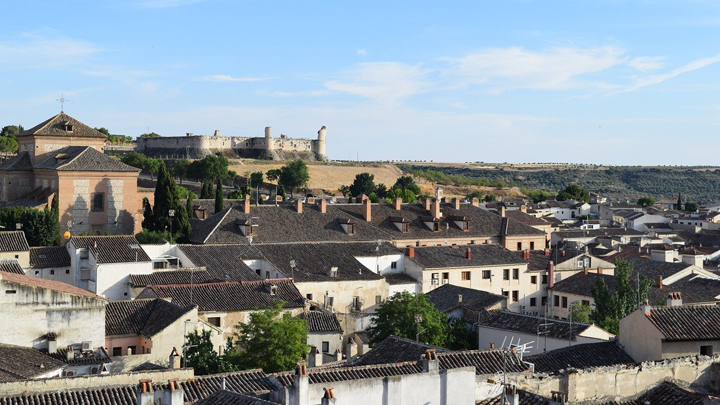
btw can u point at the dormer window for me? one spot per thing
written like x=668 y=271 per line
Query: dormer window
x=402 y=224
x=333 y=272
x=432 y=223
x=247 y=228
x=347 y=225
x=68 y=126
x=461 y=222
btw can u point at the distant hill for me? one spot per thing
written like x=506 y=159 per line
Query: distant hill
x=701 y=184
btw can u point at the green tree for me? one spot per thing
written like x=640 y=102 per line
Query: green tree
x=475 y=194
x=490 y=198
x=152 y=237
x=256 y=180
x=579 y=312
x=165 y=199
x=407 y=183
x=646 y=201
x=272 y=340
x=273 y=174
x=135 y=159
x=148 y=222
x=219 y=205
x=8 y=144
x=381 y=190
x=189 y=204
x=150 y=135
x=610 y=307
x=152 y=166
x=179 y=169
x=11 y=131
x=103 y=130
x=53 y=221
x=409 y=316
x=34 y=224
x=574 y=192
x=691 y=206
x=536 y=196
x=203 y=357
x=207 y=192
x=374 y=198
x=364 y=183
x=678 y=206
x=345 y=191
x=181 y=224
x=459 y=336
x=294 y=174
x=209 y=167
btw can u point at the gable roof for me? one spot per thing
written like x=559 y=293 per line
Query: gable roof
x=436 y=257
x=142 y=317
x=55 y=126
x=30 y=281
x=580 y=356
x=24 y=363
x=683 y=323
x=20 y=162
x=321 y=321
x=192 y=275
x=394 y=349
x=230 y=295
x=83 y=159
x=112 y=249
x=13 y=241
x=446 y=298
x=529 y=324
x=224 y=397
x=11 y=266
x=223 y=262
x=49 y=256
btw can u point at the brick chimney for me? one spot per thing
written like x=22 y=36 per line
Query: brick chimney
x=145 y=392
x=367 y=210
x=314 y=357
x=246 y=204
x=456 y=203
x=501 y=209
x=397 y=203
x=173 y=394
x=298 y=206
x=526 y=254
x=551 y=274
x=659 y=283
x=468 y=253
x=547 y=252
x=301 y=382
x=674 y=300
x=585 y=272
x=329 y=397
x=475 y=202
x=323 y=206
x=427 y=204
x=436 y=209
x=600 y=271
x=174 y=359
x=430 y=361
x=410 y=252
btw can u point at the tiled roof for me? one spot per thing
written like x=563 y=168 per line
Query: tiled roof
x=453 y=256
x=146 y=366
x=669 y=393
x=692 y=322
x=96 y=356
x=11 y=266
x=594 y=233
x=123 y=395
x=23 y=363
x=180 y=276
x=524 y=218
x=328 y=375
x=446 y=298
x=321 y=321
x=538 y=261
x=13 y=241
x=399 y=278
x=20 y=162
x=485 y=361
x=313 y=262
x=84 y=159
x=223 y=262
x=224 y=397
x=141 y=317
x=580 y=356
x=55 y=126
x=525 y=397
x=394 y=349
x=528 y=324
x=47 y=284
x=112 y=249
x=49 y=256
x=695 y=289
x=229 y=296
x=248 y=381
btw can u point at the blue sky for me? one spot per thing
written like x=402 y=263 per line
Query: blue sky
x=613 y=82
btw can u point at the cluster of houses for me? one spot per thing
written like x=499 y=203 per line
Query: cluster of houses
x=104 y=318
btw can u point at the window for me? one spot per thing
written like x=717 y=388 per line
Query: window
x=214 y=321
x=84 y=254
x=519 y=246
x=533 y=302
x=486 y=274
x=326 y=347
x=98 y=202
x=267 y=274
x=378 y=299
x=543 y=301
x=67 y=271
x=131 y=350
x=37 y=273
x=435 y=278
x=586 y=303
x=356 y=303
x=159 y=265
x=506 y=274
x=446 y=278
x=706 y=350
x=329 y=302
x=506 y=294
x=564 y=302
x=393 y=265
x=84 y=274
x=515 y=295
x=117 y=351
x=516 y=274
x=544 y=279
x=10 y=291
x=465 y=275
x=308 y=296
x=556 y=300
x=259 y=272
x=532 y=245
x=533 y=279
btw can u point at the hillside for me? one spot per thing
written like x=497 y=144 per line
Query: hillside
x=700 y=184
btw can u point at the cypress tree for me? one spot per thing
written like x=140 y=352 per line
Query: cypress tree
x=165 y=199
x=189 y=205
x=678 y=206
x=148 y=220
x=53 y=221
x=181 y=224
x=206 y=192
x=219 y=197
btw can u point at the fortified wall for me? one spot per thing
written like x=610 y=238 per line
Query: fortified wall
x=194 y=146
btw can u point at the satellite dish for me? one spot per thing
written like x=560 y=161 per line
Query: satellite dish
x=66 y=235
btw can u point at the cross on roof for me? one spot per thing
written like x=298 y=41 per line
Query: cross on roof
x=62 y=101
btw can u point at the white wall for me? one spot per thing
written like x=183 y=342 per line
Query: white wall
x=112 y=278
x=383 y=264
x=487 y=335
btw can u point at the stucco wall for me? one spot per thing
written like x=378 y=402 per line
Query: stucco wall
x=23 y=257
x=537 y=344
x=641 y=340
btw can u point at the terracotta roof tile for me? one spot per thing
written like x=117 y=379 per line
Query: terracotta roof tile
x=47 y=284
x=13 y=241
x=112 y=249
x=49 y=256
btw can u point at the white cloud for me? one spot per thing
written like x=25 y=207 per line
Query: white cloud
x=659 y=78
x=361 y=52
x=502 y=69
x=383 y=81
x=44 y=50
x=647 y=63
x=309 y=93
x=228 y=78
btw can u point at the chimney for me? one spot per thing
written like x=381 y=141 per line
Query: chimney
x=659 y=283
x=492 y=345
x=647 y=308
x=674 y=299
x=367 y=210
x=173 y=394
x=526 y=254
x=323 y=206
x=301 y=382
x=246 y=204
x=502 y=211
x=523 y=208
x=459 y=299
x=314 y=358
x=511 y=395
x=427 y=204
x=329 y=396
x=350 y=350
x=600 y=271
x=468 y=253
x=430 y=361
x=547 y=252
x=436 y=209
x=397 y=203
x=338 y=355
x=70 y=353
x=456 y=203
x=52 y=345
x=145 y=393
x=551 y=274
x=475 y=202
x=585 y=272
x=410 y=252
x=298 y=206
x=174 y=359
x=562 y=253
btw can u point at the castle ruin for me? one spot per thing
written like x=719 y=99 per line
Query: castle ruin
x=194 y=146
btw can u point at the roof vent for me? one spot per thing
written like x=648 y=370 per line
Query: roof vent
x=333 y=272
x=273 y=289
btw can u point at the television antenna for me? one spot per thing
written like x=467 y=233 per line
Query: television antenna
x=293 y=264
